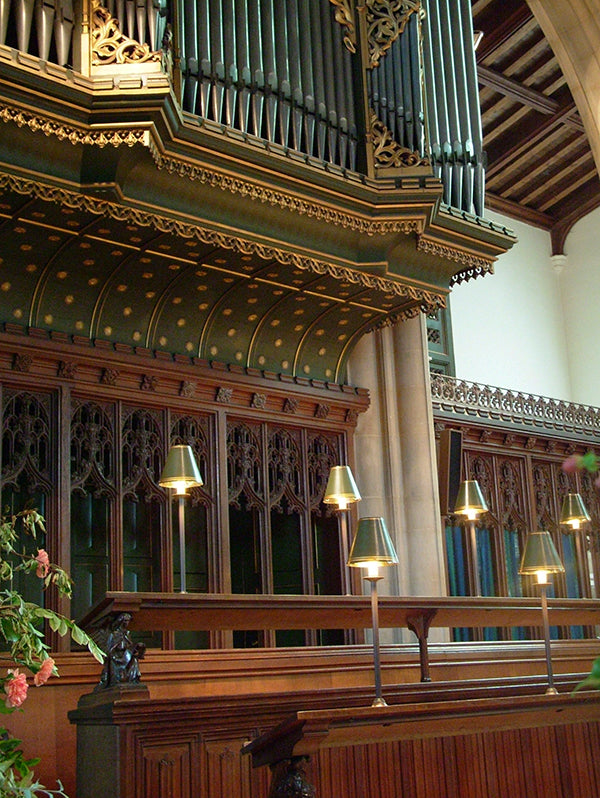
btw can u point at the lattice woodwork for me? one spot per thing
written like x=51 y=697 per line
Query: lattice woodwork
x=142 y=454
x=26 y=441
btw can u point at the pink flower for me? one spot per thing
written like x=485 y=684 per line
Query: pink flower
x=43 y=562
x=44 y=673
x=16 y=688
x=571 y=464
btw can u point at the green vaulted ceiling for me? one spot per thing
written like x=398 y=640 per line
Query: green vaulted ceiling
x=125 y=222
x=74 y=271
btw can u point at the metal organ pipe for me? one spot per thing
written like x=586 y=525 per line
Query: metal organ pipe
x=275 y=69
x=451 y=89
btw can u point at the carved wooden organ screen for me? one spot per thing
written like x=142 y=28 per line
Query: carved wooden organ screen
x=523 y=483
x=92 y=465
x=352 y=87
x=382 y=85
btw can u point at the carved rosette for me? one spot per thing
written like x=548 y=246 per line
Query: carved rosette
x=386 y=19
x=110 y=46
x=387 y=152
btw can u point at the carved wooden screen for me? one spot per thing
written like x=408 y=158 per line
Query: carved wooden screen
x=90 y=461
x=28 y=456
x=281 y=540
x=523 y=483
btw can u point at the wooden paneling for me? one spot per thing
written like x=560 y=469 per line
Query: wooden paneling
x=464 y=748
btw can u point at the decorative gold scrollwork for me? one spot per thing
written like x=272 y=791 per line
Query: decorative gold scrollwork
x=386 y=150
x=344 y=14
x=386 y=19
x=110 y=46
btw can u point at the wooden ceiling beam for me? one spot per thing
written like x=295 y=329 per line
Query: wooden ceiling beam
x=526 y=176
x=504 y=30
x=520 y=212
x=525 y=144
x=529 y=97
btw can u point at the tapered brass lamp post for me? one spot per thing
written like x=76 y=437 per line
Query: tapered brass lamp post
x=540 y=558
x=471 y=503
x=180 y=473
x=372 y=547
x=342 y=490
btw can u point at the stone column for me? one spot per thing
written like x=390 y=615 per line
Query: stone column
x=396 y=464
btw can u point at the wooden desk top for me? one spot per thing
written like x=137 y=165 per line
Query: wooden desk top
x=216 y=611
x=307 y=731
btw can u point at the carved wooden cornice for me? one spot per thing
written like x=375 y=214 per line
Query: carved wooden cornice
x=103 y=368
x=113 y=137
x=475 y=265
x=425 y=299
x=269 y=196
x=110 y=46
x=474 y=401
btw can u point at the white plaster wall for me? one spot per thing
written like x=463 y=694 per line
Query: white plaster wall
x=580 y=282
x=508 y=327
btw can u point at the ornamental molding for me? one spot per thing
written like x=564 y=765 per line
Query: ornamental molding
x=75 y=135
x=475 y=401
x=344 y=14
x=102 y=207
x=386 y=20
x=129 y=137
x=289 y=202
x=110 y=46
x=387 y=152
x=475 y=265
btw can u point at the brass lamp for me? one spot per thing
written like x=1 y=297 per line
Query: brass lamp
x=540 y=558
x=471 y=503
x=371 y=548
x=574 y=512
x=342 y=490
x=180 y=473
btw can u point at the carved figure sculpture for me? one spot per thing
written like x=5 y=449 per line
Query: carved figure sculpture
x=122 y=654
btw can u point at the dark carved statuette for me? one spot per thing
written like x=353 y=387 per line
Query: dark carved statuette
x=289 y=780
x=121 y=666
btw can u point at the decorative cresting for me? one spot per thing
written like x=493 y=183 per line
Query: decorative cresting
x=75 y=135
x=474 y=265
x=235 y=185
x=389 y=153
x=110 y=46
x=483 y=401
x=386 y=20
x=344 y=14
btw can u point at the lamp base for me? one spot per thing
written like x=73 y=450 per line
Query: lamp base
x=379 y=702
x=551 y=691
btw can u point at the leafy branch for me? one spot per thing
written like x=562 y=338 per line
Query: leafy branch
x=21 y=626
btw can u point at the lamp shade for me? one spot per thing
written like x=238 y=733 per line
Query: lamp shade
x=372 y=545
x=341 y=488
x=181 y=470
x=540 y=555
x=470 y=501
x=573 y=511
